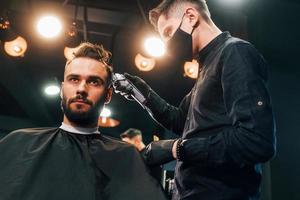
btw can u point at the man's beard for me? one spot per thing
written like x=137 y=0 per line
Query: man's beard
x=82 y=118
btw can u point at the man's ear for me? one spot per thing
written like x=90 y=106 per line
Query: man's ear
x=193 y=16
x=108 y=95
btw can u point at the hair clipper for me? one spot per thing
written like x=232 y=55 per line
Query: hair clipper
x=135 y=93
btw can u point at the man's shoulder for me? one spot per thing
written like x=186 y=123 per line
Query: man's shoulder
x=241 y=48
x=33 y=131
x=27 y=134
x=233 y=42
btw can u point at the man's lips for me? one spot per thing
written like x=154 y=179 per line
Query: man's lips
x=80 y=101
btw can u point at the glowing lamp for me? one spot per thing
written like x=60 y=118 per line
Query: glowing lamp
x=49 y=26
x=143 y=63
x=155 y=47
x=69 y=52
x=16 y=47
x=105 y=112
x=105 y=120
x=191 y=69
x=52 y=90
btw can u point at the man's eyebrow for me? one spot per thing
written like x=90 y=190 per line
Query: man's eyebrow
x=72 y=75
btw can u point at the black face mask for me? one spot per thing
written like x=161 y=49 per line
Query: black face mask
x=180 y=46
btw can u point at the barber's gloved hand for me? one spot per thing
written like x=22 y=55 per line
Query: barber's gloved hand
x=139 y=83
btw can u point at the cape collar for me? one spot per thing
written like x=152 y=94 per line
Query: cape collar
x=79 y=130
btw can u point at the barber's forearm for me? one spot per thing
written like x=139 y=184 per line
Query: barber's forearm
x=169 y=116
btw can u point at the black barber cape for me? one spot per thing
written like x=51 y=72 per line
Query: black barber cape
x=53 y=164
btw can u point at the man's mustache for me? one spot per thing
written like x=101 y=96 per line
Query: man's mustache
x=81 y=99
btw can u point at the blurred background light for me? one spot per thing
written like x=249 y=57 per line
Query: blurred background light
x=105 y=112
x=72 y=41
x=52 y=90
x=49 y=26
x=16 y=47
x=143 y=63
x=155 y=46
x=105 y=120
x=69 y=52
x=232 y=4
x=191 y=69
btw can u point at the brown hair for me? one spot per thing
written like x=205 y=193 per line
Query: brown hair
x=97 y=52
x=166 y=6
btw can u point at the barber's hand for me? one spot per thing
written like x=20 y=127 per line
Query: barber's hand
x=139 y=83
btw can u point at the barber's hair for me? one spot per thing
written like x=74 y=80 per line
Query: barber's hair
x=169 y=6
x=96 y=52
x=130 y=133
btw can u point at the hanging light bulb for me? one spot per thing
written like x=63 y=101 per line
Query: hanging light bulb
x=72 y=42
x=105 y=120
x=16 y=47
x=155 y=46
x=191 y=69
x=143 y=63
x=4 y=23
x=72 y=39
x=105 y=112
x=52 y=90
x=49 y=26
x=69 y=52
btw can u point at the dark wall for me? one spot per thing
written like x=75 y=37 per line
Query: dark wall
x=274 y=29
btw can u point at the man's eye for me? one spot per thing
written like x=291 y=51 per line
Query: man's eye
x=73 y=80
x=94 y=82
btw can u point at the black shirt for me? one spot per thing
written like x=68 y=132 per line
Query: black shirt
x=226 y=122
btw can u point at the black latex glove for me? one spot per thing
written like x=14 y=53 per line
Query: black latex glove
x=154 y=104
x=139 y=83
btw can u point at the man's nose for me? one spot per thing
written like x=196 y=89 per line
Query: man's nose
x=82 y=88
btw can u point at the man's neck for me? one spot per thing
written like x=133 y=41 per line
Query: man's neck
x=206 y=33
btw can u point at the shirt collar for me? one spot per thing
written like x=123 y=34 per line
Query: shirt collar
x=79 y=130
x=212 y=45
